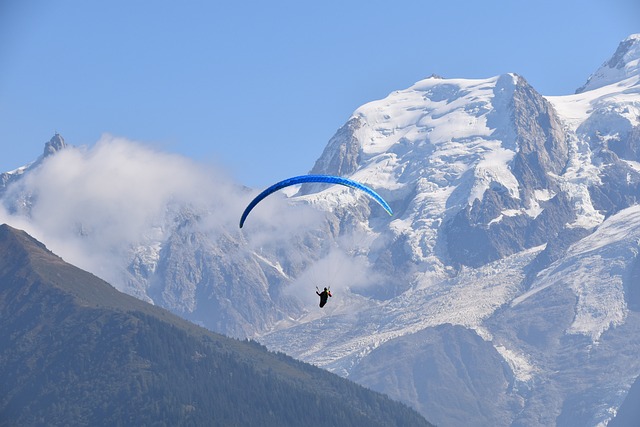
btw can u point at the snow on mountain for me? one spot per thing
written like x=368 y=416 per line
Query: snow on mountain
x=54 y=145
x=445 y=124
x=467 y=161
x=623 y=65
x=466 y=300
x=503 y=291
x=438 y=146
x=595 y=269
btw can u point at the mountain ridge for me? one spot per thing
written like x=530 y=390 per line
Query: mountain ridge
x=624 y=64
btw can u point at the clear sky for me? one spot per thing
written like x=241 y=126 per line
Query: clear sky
x=258 y=87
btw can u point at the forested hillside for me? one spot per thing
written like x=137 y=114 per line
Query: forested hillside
x=75 y=351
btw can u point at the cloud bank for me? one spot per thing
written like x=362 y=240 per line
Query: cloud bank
x=90 y=205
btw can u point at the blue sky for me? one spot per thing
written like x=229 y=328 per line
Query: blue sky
x=258 y=88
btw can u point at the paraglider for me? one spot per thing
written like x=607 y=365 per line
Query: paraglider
x=329 y=179
x=324 y=296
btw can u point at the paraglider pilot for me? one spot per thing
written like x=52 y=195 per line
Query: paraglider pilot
x=324 y=296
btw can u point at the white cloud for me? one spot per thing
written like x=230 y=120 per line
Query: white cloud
x=89 y=205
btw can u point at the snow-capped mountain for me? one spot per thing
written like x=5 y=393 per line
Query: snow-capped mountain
x=623 y=65
x=503 y=290
x=513 y=253
x=50 y=148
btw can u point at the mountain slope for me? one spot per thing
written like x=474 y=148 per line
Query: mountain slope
x=76 y=351
x=622 y=65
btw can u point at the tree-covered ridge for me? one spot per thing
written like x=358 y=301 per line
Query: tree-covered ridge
x=70 y=356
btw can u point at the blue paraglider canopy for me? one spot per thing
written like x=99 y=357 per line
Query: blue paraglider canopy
x=328 y=179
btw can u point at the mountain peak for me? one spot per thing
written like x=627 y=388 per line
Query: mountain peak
x=624 y=63
x=51 y=147
x=55 y=144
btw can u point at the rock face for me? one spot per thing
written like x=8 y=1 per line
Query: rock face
x=342 y=154
x=54 y=145
x=476 y=234
x=622 y=65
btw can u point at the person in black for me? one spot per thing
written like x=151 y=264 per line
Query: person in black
x=324 y=296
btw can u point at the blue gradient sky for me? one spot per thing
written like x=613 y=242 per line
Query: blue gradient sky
x=258 y=88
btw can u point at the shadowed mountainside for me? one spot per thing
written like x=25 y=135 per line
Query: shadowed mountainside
x=75 y=351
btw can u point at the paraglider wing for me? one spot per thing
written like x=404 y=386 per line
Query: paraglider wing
x=329 y=179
